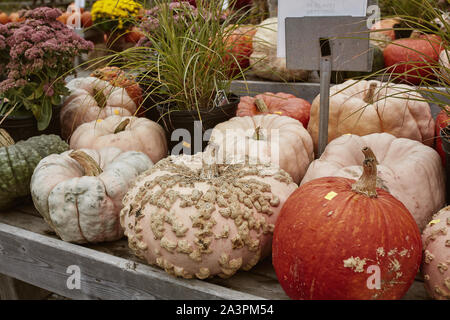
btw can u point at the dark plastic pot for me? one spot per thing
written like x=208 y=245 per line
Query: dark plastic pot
x=189 y=141
x=23 y=125
x=445 y=137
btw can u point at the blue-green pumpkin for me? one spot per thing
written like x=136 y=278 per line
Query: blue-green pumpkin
x=18 y=161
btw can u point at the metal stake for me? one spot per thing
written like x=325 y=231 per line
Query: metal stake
x=325 y=79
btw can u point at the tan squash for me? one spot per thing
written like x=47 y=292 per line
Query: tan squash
x=367 y=107
x=409 y=170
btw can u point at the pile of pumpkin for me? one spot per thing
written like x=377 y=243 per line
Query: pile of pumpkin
x=362 y=205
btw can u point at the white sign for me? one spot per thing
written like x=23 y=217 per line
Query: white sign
x=314 y=8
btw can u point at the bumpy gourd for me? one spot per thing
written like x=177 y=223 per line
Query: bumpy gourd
x=79 y=193
x=17 y=162
x=194 y=218
x=409 y=170
x=436 y=257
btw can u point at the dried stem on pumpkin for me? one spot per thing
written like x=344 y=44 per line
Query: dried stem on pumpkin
x=369 y=98
x=122 y=126
x=5 y=139
x=367 y=183
x=90 y=166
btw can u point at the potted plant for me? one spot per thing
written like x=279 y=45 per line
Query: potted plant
x=35 y=55
x=186 y=61
x=115 y=18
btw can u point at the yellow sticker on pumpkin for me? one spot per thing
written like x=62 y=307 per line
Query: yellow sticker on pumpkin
x=116 y=112
x=99 y=120
x=186 y=144
x=279 y=113
x=331 y=195
x=434 y=222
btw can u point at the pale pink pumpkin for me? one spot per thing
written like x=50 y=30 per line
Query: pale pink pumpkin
x=79 y=193
x=436 y=257
x=409 y=170
x=195 y=218
x=91 y=99
x=365 y=107
x=125 y=133
x=266 y=139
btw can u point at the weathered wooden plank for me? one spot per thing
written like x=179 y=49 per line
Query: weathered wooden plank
x=43 y=261
x=261 y=281
x=13 y=289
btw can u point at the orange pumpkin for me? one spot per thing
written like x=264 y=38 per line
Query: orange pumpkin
x=240 y=47
x=442 y=121
x=119 y=78
x=4 y=18
x=15 y=17
x=413 y=57
x=63 y=18
x=134 y=35
x=283 y=104
x=332 y=233
x=86 y=19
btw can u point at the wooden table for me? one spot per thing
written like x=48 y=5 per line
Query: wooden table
x=31 y=252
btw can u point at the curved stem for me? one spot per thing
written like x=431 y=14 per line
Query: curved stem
x=90 y=166
x=121 y=127
x=258 y=135
x=100 y=98
x=5 y=139
x=368 y=153
x=367 y=183
x=210 y=170
x=371 y=93
x=261 y=105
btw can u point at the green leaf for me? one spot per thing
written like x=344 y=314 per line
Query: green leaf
x=56 y=99
x=45 y=116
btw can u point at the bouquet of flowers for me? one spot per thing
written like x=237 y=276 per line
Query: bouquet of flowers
x=35 y=55
x=109 y=15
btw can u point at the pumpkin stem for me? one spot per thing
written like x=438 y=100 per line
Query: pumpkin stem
x=121 y=127
x=367 y=183
x=90 y=166
x=261 y=105
x=258 y=135
x=368 y=153
x=371 y=93
x=100 y=98
x=5 y=139
x=210 y=170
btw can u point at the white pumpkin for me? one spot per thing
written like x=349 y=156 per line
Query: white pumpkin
x=79 y=193
x=409 y=170
x=264 y=61
x=91 y=99
x=436 y=257
x=198 y=219
x=125 y=133
x=265 y=139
